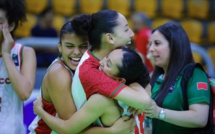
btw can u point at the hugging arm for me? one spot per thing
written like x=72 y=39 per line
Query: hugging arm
x=135 y=96
x=83 y=118
x=124 y=125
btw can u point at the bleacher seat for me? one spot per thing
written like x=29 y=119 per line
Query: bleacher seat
x=90 y=6
x=211 y=32
x=149 y=7
x=36 y=6
x=58 y=22
x=159 y=21
x=198 y=9
x=122 y=6
x=172 y=8
x=197 y=57
x=24 y=30
x=194 y=29
x=64 y=7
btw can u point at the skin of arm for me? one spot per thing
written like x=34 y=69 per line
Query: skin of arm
x=123 y=125
x=59 y=89
x=138 y=111
x=192 y=118
x=91 y=111
x=148 y=89
x=135 y=96
x=26 y=77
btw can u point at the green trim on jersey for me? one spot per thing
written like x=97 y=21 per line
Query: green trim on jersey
x=116 y=90
x=174 y=101
x=94 y=55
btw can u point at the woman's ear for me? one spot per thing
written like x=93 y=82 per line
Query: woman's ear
x=122 y=80
x=109 y=38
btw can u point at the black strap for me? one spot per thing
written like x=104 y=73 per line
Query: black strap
x=186 y=75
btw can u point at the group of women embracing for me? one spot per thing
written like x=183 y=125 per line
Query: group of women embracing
x=98 y=84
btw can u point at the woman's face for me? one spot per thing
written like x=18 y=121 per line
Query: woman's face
x=159 y=49
x=72 y=48
x=109 y=65
x=122 y=33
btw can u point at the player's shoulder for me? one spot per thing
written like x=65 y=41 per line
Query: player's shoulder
x=58 y=72
x=28 y=51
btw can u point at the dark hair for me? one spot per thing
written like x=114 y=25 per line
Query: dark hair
x=14 y=10
x=66 y=29
x=73 y=27
x=180 y=55
x=133 y=68
x=96 y=24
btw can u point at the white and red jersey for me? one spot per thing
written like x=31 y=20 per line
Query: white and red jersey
x=38 y=126
x=11 y=107
x=88 y=80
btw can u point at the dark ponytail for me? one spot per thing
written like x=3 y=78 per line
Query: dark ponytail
x=144 y=77
x=82 y=24
x=95 y=25
x=79 y=25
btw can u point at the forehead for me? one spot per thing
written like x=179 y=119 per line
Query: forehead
x=116 y=56
x=157 y=35
x=122 y=22
x=73 y=38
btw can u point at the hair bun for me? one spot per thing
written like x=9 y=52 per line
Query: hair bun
x=82 y=24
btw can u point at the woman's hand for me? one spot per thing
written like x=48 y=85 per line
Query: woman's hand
x=153 y=111
x=134 y=110
x=8 y=39
x=124 y=125
x=38 y=106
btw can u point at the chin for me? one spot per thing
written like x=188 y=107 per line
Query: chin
x=159 y=65
x=73 y=67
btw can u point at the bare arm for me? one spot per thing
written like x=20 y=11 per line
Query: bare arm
x=195 y=117
x=91 y=111
x=123 y=125
x=26 y=77
x=59 y=87
x=135 y=96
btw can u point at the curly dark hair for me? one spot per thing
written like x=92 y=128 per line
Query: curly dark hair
x=14 y=10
